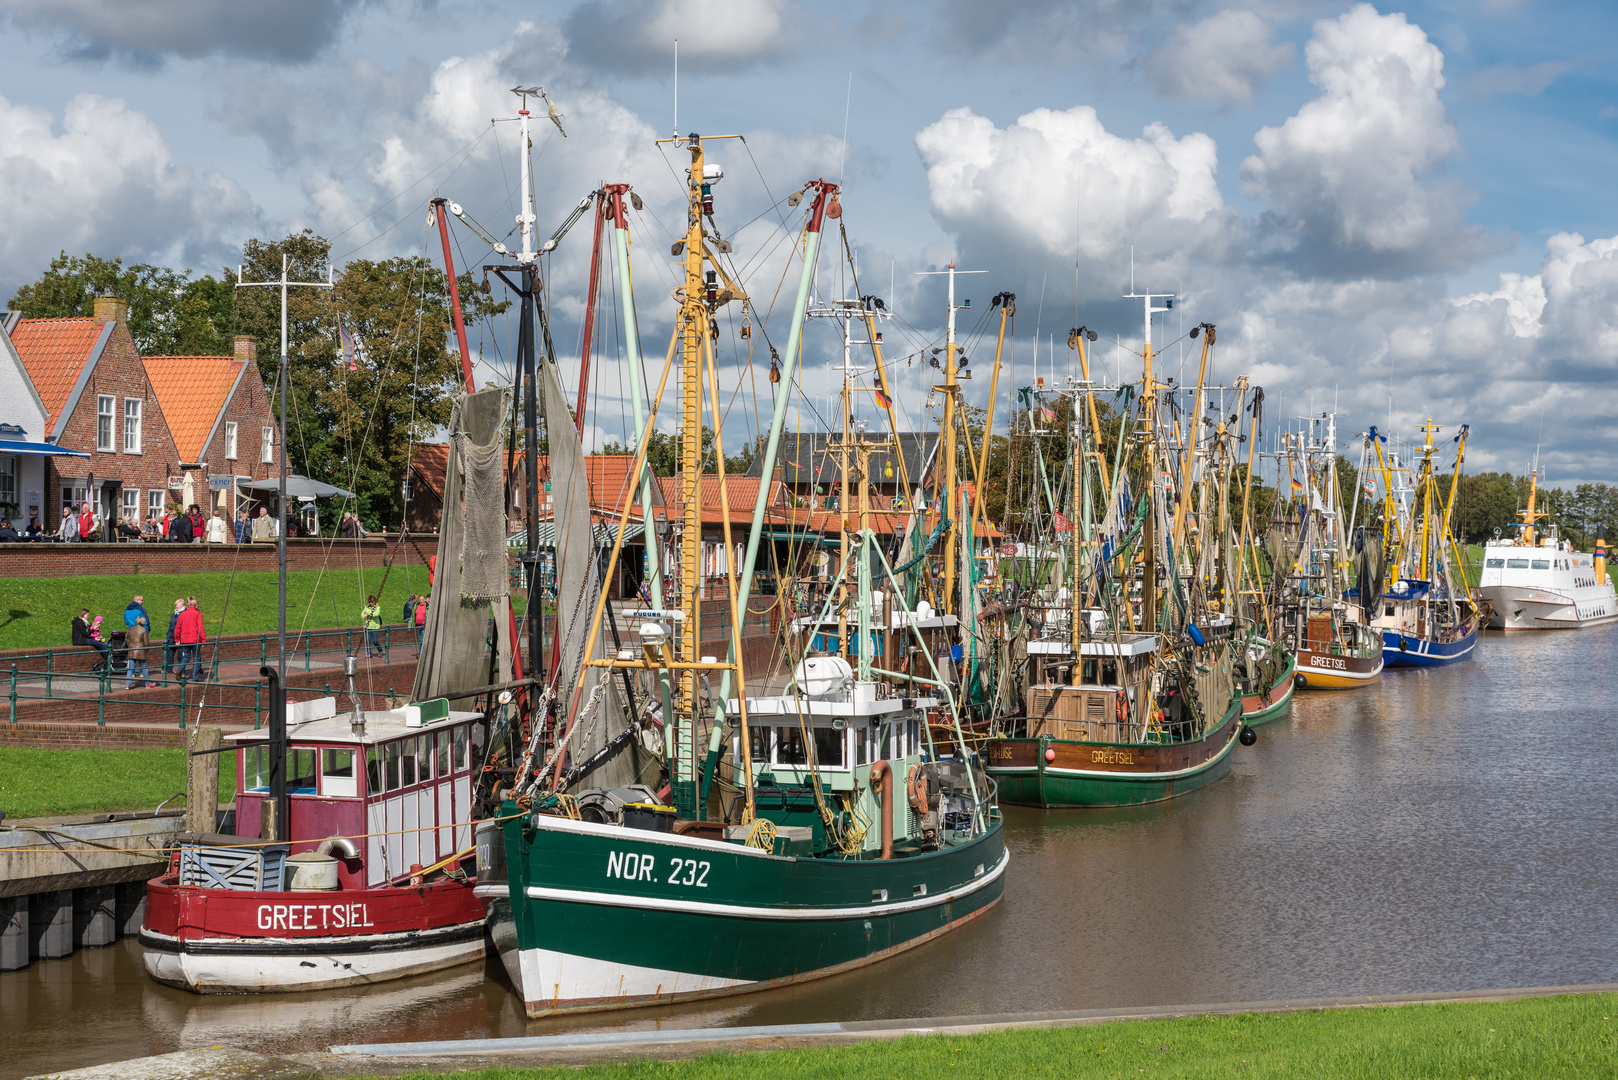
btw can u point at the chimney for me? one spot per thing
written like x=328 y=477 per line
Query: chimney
x=247 y=349
x=111 y=309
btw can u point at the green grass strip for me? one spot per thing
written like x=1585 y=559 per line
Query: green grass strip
x=41 y=783
x=1567 y=1036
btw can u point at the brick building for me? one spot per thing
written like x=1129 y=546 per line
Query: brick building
x=218 y=412
x=99 y=400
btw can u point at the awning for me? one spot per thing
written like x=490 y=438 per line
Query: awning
x=604 y=535
x=34 y=449
x=298 y=487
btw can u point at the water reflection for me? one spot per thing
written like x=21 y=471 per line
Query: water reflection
x=1443 y=830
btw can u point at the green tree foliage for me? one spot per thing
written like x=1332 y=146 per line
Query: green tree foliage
x=355 y=429
x=171 y=313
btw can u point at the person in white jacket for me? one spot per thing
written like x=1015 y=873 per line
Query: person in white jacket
x=217 y=529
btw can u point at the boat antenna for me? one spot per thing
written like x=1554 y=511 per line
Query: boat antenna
x=676 y=88
x=848 y=104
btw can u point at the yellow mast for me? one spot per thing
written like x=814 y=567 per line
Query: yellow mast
x=1427 y=484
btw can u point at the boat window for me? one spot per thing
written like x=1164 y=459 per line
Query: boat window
x=862 y=745
x=301 y=771
x=391 y=760
x=373 y=770
x=337 y=773
x=1389 y=610
x=1516 y=564
x=1494 y=564
x=407 y=761
x=1109 y=673
x=256 y=773
x=460 y=747
x=1090 y=672
x=443 y=738
x=760 y=737
x=831 y=748
x=789 y=747
x=424 y=757
x=1542 y=564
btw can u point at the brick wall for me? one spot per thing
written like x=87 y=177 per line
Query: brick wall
x=249 y=409
x=120 y=374
x=73 y=560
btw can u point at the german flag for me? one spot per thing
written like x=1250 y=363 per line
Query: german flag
x=881 y=398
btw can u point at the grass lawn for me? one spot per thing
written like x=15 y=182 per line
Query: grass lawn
x=38 y=612
x=1535 y=1037
x=41 y=783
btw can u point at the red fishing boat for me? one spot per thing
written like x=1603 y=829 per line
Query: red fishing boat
x=373 y=882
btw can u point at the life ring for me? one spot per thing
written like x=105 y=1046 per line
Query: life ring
x=916 y=789
x=1121 y=707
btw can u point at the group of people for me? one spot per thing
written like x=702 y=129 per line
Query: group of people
x=182 y=648
x=415 y=614
x=174 y=526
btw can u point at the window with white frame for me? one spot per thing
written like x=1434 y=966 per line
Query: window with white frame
x=104 y=407
x=130 y=510
x=73 y=497
x=230 y=440
x=267 y=447
x=8 y=482
x=154 y=503
x=131 y=425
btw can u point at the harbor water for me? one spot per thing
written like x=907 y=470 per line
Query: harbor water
x=1447 y=829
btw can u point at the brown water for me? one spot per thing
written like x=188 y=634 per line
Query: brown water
x=1452 y=829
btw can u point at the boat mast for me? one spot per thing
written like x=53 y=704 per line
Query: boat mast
x=1148 y=425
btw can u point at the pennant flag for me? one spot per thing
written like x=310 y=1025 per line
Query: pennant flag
x=1062 y=523
x=350 y=347
x=881 y=398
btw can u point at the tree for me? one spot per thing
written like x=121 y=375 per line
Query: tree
x=171 y=313
x=355 y=429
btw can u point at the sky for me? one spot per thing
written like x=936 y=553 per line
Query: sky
x=1399 y=212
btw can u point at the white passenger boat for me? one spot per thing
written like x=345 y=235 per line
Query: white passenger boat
x=1538 y=582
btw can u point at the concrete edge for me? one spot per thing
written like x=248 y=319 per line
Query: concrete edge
x=587 y=1048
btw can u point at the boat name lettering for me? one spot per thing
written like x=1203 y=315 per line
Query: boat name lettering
x=1328 y=661
x=631 y=866
x=688 y=872
x=1113 y=757
x=313 y=917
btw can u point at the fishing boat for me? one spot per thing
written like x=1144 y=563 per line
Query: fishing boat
x=1147 y=705
x=785 y=853
x=1426 y=620
x=365 y=883
x=1317 y=608
x=1538 y=581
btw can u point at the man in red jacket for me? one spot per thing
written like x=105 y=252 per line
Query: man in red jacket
x=190 y=636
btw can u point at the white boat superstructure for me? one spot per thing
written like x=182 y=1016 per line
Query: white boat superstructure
x=1546 y=585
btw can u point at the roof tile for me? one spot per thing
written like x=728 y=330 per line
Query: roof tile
x=191 y=391
x=54 y=352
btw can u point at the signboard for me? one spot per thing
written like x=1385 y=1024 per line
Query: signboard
x=220 y=483
x=176 y=483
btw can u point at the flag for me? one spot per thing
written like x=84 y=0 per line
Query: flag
x=1046 y=412
x=1062 y=523
x=350 y=347
x=881 y=398
x=1297 y=485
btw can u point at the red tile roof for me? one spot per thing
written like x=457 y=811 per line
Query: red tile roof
x=54 y=352
x=192 y=391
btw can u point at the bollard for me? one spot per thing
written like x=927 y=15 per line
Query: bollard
x=202 y=782
x=94 y=921
x=50 y=925
x=13 y=933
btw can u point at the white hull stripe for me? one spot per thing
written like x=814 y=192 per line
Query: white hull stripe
x=1052 y=770
x=742 y=911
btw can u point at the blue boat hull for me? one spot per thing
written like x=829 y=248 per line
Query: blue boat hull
x=1407 y=651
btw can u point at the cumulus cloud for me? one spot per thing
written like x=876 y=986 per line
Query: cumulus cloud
x=1354 y=178
x=1221 y=59
x=625 y=35
x=106 y=182
x=1058 y=183
x=149 y=31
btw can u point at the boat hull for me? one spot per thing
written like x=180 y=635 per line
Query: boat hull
x=226 y=941
x=1407 y=651
x=1094 y=774
x=1514 y=607
x=1261 y=708
x=602 y=917
x=1330 y=671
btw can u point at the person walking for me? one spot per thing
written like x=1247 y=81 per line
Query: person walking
x=83 y=637
x=135 y=643
x=371 y=620
x=420 y=619
x=136 y=610
x=410 y=609
x=172 y=642
x=192 y=637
